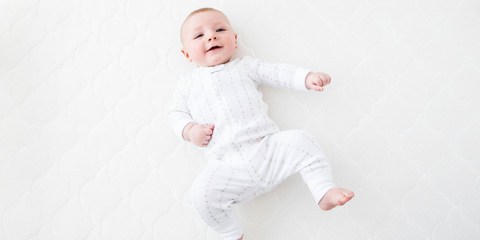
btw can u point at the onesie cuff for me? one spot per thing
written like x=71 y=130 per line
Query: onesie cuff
x=299 y=79
x=179 y=126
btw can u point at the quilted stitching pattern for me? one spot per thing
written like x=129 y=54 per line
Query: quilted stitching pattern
x=86 y=153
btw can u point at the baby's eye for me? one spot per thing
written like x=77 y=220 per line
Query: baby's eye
x=221 y=30
x=198 y=35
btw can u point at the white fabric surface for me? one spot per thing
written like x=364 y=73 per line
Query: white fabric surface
x=86 y=151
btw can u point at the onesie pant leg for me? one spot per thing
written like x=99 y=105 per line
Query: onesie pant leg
x=289 y=152
x=220 y=186
x=214 y=193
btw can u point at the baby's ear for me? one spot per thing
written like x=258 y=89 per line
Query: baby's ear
x=236 y=46
x=185 y=53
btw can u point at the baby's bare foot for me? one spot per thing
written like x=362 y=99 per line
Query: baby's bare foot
x=335 y=197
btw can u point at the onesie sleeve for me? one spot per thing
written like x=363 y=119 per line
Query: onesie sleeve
x=278 y=75
x=179 y=114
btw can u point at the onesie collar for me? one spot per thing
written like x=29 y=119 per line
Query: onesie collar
x=210 y=69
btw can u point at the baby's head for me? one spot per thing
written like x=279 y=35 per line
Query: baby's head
x=208 y=38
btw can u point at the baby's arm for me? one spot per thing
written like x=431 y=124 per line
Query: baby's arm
x=183 y=123
x=198 y=134
x=285 y=75
x=317 y=80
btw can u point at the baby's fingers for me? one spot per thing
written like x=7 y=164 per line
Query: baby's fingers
x=206 y=141
x=317 y=87
x=326 y=79
x=208 y=130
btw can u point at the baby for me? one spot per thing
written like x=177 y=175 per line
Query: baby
x=219 y=107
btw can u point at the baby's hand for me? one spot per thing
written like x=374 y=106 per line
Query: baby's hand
x=200 y=135
x=317 y=81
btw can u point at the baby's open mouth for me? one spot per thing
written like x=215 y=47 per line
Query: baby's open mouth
x=213 y=48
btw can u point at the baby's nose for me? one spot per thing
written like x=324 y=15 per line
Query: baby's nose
x=214 y=37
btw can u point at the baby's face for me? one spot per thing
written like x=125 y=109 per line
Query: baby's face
x=208 y=39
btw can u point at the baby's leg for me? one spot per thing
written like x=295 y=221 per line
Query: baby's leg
x=215 y=191
x=318 y=173
x=296 y=151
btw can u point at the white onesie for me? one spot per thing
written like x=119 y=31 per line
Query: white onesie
x=247 y=155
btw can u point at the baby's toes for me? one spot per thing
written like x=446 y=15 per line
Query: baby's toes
x=348 y=193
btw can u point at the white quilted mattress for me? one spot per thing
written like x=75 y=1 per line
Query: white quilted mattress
x=86 y=151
